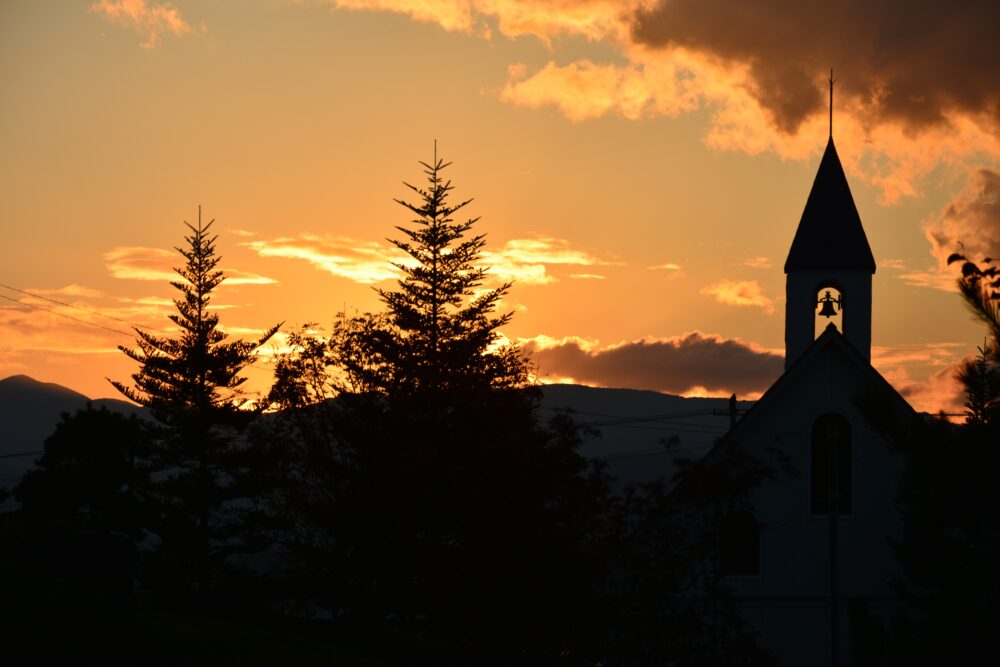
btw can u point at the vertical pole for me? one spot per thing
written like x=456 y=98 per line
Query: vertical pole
x=831 y=103
x=732 y=411
x=833 y=443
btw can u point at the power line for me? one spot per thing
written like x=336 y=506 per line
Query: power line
x=654 y=452
x=85 y=322
x=654 y=417
x=82 y=309
x=68 y=317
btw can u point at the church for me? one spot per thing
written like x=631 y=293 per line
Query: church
x=807 y=550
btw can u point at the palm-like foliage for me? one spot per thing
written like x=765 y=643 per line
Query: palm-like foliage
x=980 y=376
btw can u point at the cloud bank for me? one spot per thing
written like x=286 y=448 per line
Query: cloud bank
x=692 y=363
x=916 y=85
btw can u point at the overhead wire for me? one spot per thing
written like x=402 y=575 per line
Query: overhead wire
x=81 y=308
x=86 y=310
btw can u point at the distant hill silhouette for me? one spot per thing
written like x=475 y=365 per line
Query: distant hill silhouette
x=630 y=424
x=29 y=412
x=633 y=424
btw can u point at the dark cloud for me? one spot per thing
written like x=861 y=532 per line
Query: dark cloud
x=970 y=223
x=675 y=365
x=907 y=60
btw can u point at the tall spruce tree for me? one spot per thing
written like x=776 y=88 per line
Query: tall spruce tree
x=192 y=385
x=444 y=334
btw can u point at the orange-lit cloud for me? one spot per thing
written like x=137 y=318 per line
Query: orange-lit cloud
x=941 y=392
x=970 y=223
x=583 y=90
x=900 y=60
x=528 y=261
x=694 y=362
x=935 y=354
x=544 y=19
x=140 y=263
x=889 y=153
x=757 y=262
x=900 y=110
x=149 y=19
x=525 y=261
x=364 y=262
x=739 y=293
x=668 y=269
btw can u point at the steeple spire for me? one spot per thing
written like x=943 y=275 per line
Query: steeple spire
x=832 y=81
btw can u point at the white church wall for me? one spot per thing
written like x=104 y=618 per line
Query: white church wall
x=789 y=601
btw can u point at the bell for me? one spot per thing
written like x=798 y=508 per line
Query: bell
x=828 y=309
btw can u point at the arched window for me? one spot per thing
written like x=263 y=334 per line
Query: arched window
x=739 y=543
x=831 y=460
x=829 y=310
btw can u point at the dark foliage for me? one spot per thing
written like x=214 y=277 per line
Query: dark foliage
x=403 y=484
x=667 y=596
x=84 y=507
x=93 y=473
x=950 y=591
x=422 y=494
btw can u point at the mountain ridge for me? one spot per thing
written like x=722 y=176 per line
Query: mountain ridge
x=626 y=428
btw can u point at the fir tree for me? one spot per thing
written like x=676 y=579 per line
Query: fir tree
x=192 y=380
x=444 y=334
x=191 y=384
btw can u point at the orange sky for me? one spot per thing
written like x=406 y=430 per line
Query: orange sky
x=639 y=170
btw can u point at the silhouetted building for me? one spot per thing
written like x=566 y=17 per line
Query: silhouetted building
x=807 y=544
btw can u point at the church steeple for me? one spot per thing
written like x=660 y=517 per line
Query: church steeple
x=830 y=253
x=830 y=235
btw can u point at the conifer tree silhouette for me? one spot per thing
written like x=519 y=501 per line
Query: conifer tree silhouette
x=193 y=377
x=192 y=386
x=444 y=335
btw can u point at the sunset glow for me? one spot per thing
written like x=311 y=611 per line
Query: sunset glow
x=639 y=169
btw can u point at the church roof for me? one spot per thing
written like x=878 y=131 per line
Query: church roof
x=830 y=235
x=831 y=337
x=890 y=405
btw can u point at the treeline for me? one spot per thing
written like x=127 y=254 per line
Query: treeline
x=397 y=486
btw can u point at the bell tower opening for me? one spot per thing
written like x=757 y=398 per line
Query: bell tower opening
x=829 y=310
